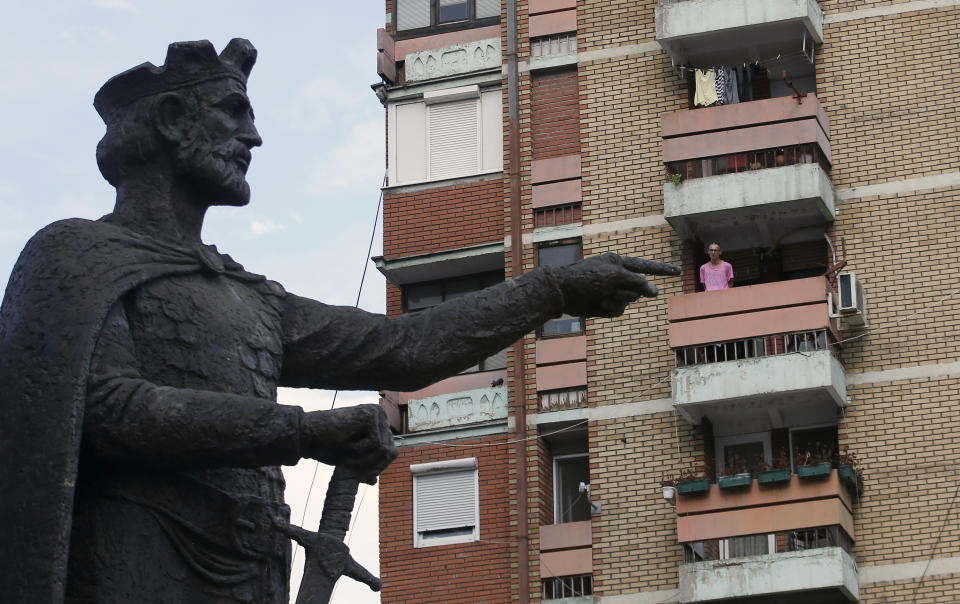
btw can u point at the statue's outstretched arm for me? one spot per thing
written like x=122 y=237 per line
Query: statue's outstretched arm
x=342 y=347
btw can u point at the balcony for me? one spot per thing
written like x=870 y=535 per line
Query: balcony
x=754 y=172
x=762 y=356
x=762 y=542
x=566 y=562
x=725 y=31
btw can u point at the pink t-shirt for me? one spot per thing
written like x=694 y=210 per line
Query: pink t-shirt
x=716 y=277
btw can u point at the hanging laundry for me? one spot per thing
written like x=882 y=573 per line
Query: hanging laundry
x=721 y=82
x=732 y=92
x=706 y=87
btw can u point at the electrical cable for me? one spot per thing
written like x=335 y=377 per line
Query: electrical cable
x=936 y=543
x=316 y=467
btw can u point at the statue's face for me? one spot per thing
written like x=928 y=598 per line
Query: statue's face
x=216 y=153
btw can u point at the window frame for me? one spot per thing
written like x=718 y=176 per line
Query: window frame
x=739 y=439
x=557 y=506
x=790 y=443
x=578 y=241
x=446 y=467
x=436 y=27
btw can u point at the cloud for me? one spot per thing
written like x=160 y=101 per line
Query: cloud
x=124 y=5
x=357 y=160
x=265 y=227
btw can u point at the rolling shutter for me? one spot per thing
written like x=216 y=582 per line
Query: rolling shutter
x=488 y=8
x=446 y=500
x=412 y=14
x=454 y=139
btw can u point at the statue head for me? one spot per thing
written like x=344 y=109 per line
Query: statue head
x=191 y=116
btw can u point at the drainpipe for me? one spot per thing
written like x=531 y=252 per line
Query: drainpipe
x=516 y=260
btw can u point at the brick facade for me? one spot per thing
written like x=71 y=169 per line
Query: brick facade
x=888 y=84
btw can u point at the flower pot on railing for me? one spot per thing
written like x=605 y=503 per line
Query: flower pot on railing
x=768 y=477
x=848 y=476
x=814 y=470
x=693 y=487
x=735 y=481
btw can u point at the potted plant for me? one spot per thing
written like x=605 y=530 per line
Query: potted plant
x=776 y=473
x=848 y=469
x=738 y=474
x=815 y=462
x=693 y=480
x=676 y=178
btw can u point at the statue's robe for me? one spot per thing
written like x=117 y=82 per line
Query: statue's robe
x=140 y=437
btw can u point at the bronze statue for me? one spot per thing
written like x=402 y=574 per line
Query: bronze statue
x=140 y=436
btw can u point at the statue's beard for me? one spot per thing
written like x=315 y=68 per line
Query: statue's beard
x=217 y=169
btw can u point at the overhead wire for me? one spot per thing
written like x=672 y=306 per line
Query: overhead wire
x=316 y=467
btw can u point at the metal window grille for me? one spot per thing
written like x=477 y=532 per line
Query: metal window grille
x=807 y=153
x=567 y=587
x=553 y=45
x=734 y=350
x=557 y=215
x=563 y=399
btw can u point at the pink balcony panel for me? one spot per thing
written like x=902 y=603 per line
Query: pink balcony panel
x=770 y=519
x=718 y=500
x=556 y=193
x=564 y=563
x=535 y=7
x=555 y=168
x=740 y=115
x=457 y=383
x=742 y=140
x=561 y=350
x=757 y=510
x=553 y=23
x=564 y=375
x=403 y=47
x=749 y=325
x=569 y=535
x=747 y=299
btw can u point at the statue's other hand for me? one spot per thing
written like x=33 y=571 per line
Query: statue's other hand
x=603 y=286
x=357 y=438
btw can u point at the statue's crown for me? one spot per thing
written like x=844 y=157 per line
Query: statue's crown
x=187 y=64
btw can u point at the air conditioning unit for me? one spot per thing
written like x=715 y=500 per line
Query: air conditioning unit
x=849 y=304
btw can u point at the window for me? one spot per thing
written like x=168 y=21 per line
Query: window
x=420 y=296
x=449 y=134
x=419 y=17
x=559 y=255
x=742 y=453
x=446 y=505
x=571 y=477
x=813 y=445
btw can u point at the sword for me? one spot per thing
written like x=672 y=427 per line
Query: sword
x=327 y=556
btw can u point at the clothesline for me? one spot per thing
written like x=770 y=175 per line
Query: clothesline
x=761 y=62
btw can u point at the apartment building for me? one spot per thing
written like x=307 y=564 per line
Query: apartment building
x=786 y=440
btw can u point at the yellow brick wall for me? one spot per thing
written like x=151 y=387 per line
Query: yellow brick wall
x=943 y=589
x=890 y=87
x=605 y=23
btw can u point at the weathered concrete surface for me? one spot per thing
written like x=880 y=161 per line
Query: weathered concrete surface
x=753 y=208
x=457 y=409
x=679 y=20
x=828 y=568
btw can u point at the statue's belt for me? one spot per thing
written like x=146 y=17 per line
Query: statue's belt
x=242 y=525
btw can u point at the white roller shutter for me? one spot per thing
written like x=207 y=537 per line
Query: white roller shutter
x=445 y=500
x=488 y=8
x=412 y=14
x=454 y=139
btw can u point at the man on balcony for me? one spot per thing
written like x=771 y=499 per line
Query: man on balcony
x=717 y=273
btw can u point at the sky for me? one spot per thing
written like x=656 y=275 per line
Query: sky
x=315 y=181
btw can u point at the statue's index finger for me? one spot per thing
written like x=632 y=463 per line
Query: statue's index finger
x=649 y=267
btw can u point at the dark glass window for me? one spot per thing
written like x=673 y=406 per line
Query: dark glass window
x=453 y=10
x=559 y=255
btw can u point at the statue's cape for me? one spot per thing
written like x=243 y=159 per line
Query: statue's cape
x=61 y=289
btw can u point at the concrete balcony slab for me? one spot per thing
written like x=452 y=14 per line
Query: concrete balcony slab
x=762 y=393
x=818 y=575
x=701 y=31
x=757 y=208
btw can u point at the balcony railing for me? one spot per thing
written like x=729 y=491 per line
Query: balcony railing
x=566 y=587
x=796 y=540
x=748 y=348
x=807 y=153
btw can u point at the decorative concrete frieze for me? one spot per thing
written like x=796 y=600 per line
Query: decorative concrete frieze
x=452 y=60
x=457 y=409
